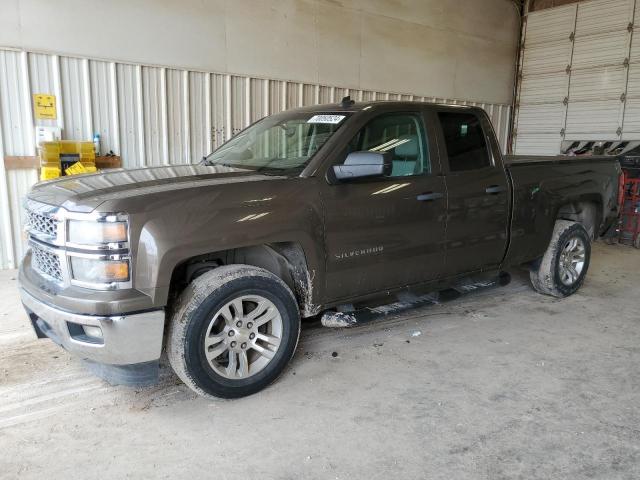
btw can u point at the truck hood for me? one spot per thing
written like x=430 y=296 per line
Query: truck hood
x=83 y=193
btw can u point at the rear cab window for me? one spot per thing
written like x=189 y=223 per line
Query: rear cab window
x=465 y=141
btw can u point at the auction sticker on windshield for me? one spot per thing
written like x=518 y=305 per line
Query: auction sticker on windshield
x=326 y=119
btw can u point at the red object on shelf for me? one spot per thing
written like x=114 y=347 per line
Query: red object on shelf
x=629 y=231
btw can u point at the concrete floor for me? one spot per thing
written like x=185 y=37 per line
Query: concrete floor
x=502 y=383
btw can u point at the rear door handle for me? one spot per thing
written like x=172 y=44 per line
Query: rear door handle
x=429 y=196
x=493 y=189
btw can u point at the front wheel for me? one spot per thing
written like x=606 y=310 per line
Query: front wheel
x=234 y=331
x=562 y=269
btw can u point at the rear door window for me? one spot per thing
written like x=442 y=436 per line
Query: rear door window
x=465 y=141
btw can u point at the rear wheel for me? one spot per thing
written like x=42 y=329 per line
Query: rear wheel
x=234 y=331
x=562 y=269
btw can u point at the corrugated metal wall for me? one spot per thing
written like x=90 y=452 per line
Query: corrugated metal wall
x=580 y=77
x=150 y=115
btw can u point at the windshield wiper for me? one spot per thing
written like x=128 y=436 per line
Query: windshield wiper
x=270 y=172
x=280 y=172
x=209 y=163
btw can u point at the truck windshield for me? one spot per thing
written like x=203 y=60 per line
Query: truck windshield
x=283 y=142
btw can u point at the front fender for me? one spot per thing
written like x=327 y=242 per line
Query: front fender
x=193 y=225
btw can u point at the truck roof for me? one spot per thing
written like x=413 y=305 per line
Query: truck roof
x=360 y=106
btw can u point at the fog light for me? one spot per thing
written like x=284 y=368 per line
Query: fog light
x=91 y=331
x=95 y=271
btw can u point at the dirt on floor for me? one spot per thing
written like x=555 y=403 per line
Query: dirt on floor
x=501 y=383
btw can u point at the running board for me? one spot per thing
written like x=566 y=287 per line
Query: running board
x=406 y=301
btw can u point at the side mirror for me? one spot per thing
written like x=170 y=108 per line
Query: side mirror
x=364 y=164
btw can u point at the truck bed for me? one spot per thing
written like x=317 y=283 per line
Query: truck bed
x=547 y=188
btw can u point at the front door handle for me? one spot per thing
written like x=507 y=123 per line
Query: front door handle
x=493 y=189
x=429 y=196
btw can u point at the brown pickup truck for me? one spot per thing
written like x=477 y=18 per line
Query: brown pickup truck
x=301 y=213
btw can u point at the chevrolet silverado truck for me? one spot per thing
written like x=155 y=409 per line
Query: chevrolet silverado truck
x=301 y=213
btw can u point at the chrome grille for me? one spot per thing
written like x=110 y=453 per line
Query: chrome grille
x=40 y=222
x=46 y=262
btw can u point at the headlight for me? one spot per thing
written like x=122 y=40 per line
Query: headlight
x=87 y=232
x=95 y=271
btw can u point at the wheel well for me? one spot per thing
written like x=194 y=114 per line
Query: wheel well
x=586 y=212
x=284 y=259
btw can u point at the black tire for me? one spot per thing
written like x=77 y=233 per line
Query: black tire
x=195 y=309
x=546 y=273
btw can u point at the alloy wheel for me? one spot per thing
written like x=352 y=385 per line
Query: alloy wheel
x=243 y=336
x=571 y=261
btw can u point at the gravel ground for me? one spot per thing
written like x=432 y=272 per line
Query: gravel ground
x=500 y=383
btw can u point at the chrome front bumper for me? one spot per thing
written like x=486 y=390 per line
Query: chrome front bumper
x=123 y=340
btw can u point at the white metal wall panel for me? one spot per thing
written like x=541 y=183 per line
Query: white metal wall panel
x=16 y=138
x=541 y=118
x=199 y=115
x=259 y=94
x=598 y=83
x=368 y=96
x=277 y=96
x=633 y=81
x=550 y=25
x=326 y=94
x=103 y=104
x=76 y=99
x=598 y=120
x=240 y=103
x=149 y=115
x=15 y=105
x=6 y=231
x=604 y=16
x=310 y=96
x=634 y=54
x=536 y=144
x=609 y=48
x=545 y=88
x=631 y=119
x=294 y=95
x=631 y=124
x=129 y=92
x=44 y=78
x=220 y=109
x=547 y=57
x=154 y=115
x=178 y=117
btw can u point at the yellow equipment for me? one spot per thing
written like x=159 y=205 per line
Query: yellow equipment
x=66 y=157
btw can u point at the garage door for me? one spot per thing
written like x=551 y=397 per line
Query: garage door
x=631 y=124
x=579 y=79
x=544 y=81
